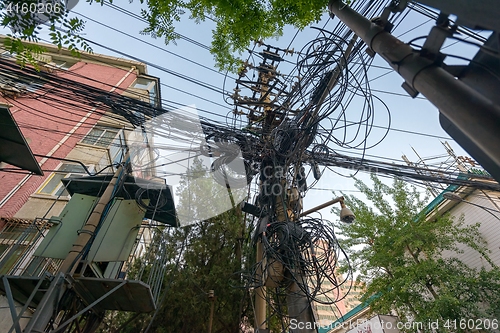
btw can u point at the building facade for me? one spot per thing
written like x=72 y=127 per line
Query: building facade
x=78 y=116
x=68 y=134
x=475 y=207
x=59 y=127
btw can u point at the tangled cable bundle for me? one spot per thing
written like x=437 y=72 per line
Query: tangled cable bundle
x=306 y=253
x=319 y=62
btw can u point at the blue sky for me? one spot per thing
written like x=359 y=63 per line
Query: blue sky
x=415 y=115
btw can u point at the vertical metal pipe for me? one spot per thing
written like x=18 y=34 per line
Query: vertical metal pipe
x=211 y=297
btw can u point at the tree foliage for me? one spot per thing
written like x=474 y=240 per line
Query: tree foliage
x=238 y=22
x=25 y=21
x=402 y=257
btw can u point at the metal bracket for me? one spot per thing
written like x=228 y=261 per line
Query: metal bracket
x=394 y=7
x=370 y=52
x=455 y=70
x=409 y=89
x=434 y=42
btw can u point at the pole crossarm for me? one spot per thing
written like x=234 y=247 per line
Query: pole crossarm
x=324 y=205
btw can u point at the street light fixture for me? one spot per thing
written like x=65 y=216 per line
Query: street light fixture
x=455 y=197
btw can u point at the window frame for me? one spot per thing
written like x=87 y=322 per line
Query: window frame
x=5 y=54
x=61 y=64
x=114 y=149
x=59 y=185
x=152 y=88
x=118 y=155
x=30 y=85
x=118 y=131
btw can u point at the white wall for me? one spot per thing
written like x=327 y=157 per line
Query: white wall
x=490 y=225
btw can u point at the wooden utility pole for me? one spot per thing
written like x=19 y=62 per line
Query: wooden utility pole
x=260 y=291
x=274 y=196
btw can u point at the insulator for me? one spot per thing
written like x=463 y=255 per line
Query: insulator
x=316 y=171
x=271 y=56
x=250 y=209
x=301 y=179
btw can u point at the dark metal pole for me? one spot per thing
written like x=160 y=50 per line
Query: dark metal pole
x=477 y=117
x=211 y=297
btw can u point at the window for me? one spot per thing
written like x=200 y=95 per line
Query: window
x=3 y=248
x=116 y=149
x=149 y=85
x=11 y=233
x=64 y=64
x=101 y=136
x=54 y=186
x=10 y=261
x=112 y=139
x=22 y=84
x=15 y=238
x=6 y=54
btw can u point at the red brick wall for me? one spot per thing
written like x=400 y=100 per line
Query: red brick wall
x=46 y=125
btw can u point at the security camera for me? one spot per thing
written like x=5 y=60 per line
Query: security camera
x=346 y=215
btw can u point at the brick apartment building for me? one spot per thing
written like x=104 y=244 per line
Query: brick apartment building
x=65 y=131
